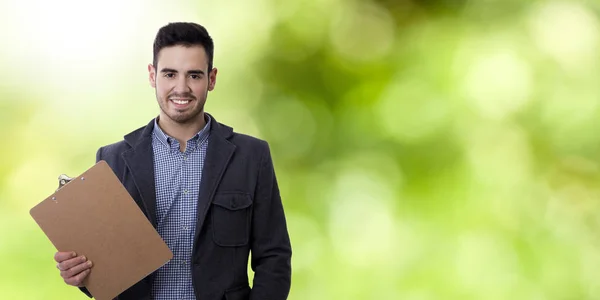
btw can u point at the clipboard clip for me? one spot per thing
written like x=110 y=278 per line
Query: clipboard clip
x=63 y=180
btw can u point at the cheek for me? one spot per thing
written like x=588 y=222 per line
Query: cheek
x=200 y=88
x=161 y=89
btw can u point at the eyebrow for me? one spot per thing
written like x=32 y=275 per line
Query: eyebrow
x=167 y=70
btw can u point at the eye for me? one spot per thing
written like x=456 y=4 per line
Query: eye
x=169 y=75
x=195 y=76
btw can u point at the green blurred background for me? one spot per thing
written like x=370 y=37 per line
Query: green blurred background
x=439 y=149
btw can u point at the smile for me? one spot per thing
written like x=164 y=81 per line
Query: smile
x=181 y=101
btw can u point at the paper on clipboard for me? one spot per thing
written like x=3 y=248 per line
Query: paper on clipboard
x=95 y=216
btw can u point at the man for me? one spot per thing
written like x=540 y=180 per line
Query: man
x=211 y=193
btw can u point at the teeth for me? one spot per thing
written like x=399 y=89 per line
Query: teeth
x=180 y=101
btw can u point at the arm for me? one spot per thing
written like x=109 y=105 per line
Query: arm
x=270 y=243
x=99 y=155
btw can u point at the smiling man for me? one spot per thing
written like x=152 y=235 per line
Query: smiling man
x=210 y=193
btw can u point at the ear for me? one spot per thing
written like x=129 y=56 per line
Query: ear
x=212 y=79
x=152 y=75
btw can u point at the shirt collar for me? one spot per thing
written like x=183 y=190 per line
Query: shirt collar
x=199 y=137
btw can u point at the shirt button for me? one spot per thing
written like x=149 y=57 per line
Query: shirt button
x=184 y=157
x=185 y=191
x=185 y=227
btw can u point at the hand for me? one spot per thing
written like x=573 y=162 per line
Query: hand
x=73 y=269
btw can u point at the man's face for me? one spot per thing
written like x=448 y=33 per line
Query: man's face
x=182 y=81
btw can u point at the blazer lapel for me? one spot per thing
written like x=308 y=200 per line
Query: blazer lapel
x=218 y=155
x=140 y=161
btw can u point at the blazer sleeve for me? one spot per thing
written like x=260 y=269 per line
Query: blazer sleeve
x=270 y=243
x=99 y=155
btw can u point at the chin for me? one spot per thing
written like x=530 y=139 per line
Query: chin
x=184 y=118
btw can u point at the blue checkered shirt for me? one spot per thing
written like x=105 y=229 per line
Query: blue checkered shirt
x=177 y=177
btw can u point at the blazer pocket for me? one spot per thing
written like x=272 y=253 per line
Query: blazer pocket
x=231 y=219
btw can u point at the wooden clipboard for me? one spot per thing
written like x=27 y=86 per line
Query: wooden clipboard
x=95 y=216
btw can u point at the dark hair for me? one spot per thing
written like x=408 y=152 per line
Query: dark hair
x=184 y=34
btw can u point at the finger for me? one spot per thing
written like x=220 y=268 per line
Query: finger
x=67 y=264
x=76 y=269
x=78 y=279
x=62 y=256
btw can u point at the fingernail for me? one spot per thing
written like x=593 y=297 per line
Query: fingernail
x=83 y=258
x=89 y=263
x=73 y=254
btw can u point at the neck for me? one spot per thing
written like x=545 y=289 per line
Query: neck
x=182 y=132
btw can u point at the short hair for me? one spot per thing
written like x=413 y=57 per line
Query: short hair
x=183 y=34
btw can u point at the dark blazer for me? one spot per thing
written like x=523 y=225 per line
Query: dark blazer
x=239 y=211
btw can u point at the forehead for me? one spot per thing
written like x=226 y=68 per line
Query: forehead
x=182 y=58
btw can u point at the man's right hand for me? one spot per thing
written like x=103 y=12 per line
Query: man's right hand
x=73 y=269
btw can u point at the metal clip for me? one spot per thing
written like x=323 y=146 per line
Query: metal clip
x=62 y=180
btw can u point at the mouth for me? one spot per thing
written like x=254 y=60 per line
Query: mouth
x=180 y=102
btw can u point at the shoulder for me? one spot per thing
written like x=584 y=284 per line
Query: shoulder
x=247 y=142
x=243 y=143
x=247 y=148
x=114 y=150
x=252 y=150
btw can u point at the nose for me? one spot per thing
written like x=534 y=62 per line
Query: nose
x=182 y=85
